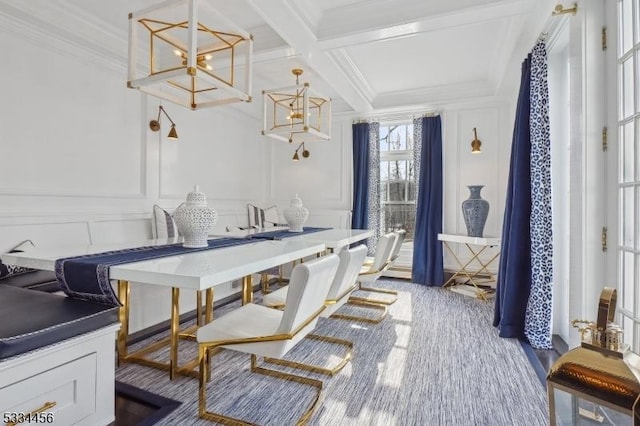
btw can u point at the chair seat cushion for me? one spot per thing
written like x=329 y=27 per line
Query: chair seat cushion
x=275 y=298
x=34 y=280
x=367 y=274
x=33 y=319
x=250 y=320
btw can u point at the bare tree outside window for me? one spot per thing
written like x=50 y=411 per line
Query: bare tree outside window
x=397 y=179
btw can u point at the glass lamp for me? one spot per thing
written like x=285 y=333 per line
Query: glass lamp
x=186 y=52
x=598 y=382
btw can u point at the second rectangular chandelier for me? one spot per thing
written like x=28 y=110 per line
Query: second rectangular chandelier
x=296 y=113
x=190 y=54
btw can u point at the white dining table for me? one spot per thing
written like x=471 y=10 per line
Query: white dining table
x=197 y=271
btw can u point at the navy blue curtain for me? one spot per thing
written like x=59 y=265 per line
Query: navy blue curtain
x=427 y=250
x=360 y=211
x=514 y=273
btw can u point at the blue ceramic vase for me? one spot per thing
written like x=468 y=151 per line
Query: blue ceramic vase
x=475 y=210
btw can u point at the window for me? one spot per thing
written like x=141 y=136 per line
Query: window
x=397 y=178
x=628 y=182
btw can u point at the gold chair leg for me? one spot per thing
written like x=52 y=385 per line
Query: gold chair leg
x=376 y=290
x=226 y=420
x=293 y=378
x=314 y=368
x=367 y=304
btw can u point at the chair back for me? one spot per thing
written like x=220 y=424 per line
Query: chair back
x=383 y=251
x=398 y=244
x=350 y=263
x=308 y=288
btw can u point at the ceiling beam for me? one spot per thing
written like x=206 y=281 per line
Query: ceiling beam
x=292 y=28
x=421 y=24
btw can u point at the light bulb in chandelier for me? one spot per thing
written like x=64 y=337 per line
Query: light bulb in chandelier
x=200 y=59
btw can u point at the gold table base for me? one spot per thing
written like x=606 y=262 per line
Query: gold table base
x=474 y=277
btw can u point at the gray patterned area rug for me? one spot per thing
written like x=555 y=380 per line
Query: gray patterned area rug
x=435 y=360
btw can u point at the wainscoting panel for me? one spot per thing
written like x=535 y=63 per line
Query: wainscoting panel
x=44 y=234
x=218 y=150
x=330 y=219
x=321 y=180
x=463 y=168
x=114 y=231
x=72 y=130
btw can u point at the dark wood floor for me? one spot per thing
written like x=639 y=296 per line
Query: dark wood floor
x=549 y=356
x=131 y=412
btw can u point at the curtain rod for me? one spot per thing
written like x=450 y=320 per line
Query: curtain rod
x=560 y=10
x=552 y=24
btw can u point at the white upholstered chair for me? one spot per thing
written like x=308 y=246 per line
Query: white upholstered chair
x=262 y=331
x=343 y=284
x=395 y=251
x=371 y=272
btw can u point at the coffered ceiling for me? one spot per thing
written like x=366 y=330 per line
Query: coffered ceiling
x=373 y=55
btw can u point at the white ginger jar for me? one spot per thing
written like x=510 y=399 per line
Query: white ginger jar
x=195 y=219
x=296 y=215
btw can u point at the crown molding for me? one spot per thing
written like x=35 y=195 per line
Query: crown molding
x=351 y=70
x=290 y=26
x=385 y=22
x=434 y=97
x=19 y=21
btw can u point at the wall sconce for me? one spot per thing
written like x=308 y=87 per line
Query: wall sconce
x=305 y=152
x=475 y=143
x=155 y=124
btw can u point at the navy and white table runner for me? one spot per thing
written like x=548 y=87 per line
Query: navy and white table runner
x=86 y=277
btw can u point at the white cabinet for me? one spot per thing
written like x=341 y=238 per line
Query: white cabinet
x=71 y=381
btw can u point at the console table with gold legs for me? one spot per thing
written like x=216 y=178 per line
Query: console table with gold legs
x=474 y=271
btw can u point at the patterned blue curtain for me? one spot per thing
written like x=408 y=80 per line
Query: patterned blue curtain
x=538 y=315
x=427 y=250
x=366 y=180
x=523 y=302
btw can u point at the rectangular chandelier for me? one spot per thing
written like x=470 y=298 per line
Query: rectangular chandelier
x=296 y=113
x=190 y=54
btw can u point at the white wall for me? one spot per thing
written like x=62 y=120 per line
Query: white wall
x=462 y=168
x=489 y=168
x=323 y=180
